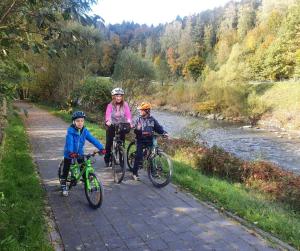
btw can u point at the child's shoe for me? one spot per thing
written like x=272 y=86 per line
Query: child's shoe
x=135 y=177
x=64 y=189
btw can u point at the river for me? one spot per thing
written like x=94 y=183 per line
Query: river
x=247 y=143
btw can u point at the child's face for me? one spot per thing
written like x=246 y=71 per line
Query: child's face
x=143 y=113
x=79 y=123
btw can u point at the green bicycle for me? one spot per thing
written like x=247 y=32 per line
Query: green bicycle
x=85 y=172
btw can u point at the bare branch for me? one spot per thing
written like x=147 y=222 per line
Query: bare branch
x=8 y=11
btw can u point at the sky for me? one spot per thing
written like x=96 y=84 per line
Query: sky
x=151 y=11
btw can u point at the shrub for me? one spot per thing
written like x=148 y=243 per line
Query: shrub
x=206 y=107
x=94 y=95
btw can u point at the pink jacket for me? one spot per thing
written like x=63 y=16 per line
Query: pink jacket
x=124 y=114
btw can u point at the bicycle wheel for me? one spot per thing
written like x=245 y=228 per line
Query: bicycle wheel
x=93 y=191
x=160 y=169
x=118 y=164
x=131 y=152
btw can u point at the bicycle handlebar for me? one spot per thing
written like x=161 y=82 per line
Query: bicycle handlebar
x=89 y=155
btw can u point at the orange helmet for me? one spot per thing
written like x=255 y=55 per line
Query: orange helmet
x=144 y=106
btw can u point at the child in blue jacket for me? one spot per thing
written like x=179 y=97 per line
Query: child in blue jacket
x=74 y=146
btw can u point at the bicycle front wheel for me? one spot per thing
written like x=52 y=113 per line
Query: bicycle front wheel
x=160 y=169
x=118 y=165
x=93 y=191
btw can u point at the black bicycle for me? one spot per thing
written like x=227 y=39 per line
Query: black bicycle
x=157 y=163
x=118 y=157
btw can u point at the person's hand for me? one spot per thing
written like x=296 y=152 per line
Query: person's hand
x=74 y=155
x=102 y=152
x=166 y=135
x=108 y=123
x=139 y=126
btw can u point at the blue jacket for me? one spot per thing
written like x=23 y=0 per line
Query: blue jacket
x=149 y=125
x=75 y=141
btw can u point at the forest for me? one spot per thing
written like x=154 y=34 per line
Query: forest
x=241 y=60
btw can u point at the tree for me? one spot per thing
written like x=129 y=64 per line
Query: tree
x=162 y=69
x=21 y=20
x=195 y=66
x=246 y=20
x=132 y=72
x=186 y=48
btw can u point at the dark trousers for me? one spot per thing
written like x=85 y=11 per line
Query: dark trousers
x=138 y=161
x=66 y=169
x=110 y=134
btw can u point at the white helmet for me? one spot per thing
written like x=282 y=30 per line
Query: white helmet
x=117 y=91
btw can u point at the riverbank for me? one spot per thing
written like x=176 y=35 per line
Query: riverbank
x=22 y=223
x=229 y=193
x=272 y=106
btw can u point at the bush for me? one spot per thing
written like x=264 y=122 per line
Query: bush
x=216 y=161
x=279 y=184
x=206 y=107
x=94 y=95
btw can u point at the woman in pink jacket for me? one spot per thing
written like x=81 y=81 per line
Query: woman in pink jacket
x=117 y=111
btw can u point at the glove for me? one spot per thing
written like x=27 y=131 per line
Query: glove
x=74 y=155
x=102 y=151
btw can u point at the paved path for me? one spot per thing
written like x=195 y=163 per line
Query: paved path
x=134 y=215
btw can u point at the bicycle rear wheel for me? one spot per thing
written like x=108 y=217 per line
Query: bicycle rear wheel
x=160 y=170
x=118 y=164
x=93 y=191
x=131 y=153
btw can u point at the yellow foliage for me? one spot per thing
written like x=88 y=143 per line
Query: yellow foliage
x=205 y=107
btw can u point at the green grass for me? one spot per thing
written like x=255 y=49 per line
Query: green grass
x=275 y=218
x=22 y=224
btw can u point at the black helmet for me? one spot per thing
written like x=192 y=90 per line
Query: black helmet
x=78 y=114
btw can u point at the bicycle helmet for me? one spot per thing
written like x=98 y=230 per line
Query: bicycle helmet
x=78 y=114
x=117 y=91
x=144 y=106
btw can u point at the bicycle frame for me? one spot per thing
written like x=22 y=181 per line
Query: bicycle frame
x=87 y=168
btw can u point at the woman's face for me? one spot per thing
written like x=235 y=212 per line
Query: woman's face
x=118 y=98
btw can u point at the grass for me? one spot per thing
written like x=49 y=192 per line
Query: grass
x=275 y=218
x=22 y=224
x=284 y=100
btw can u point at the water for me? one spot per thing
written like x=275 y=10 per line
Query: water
x=249 y=144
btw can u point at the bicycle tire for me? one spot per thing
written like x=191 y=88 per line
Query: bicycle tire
x=118 y=164
x=96 y=190
x=160 y=169
x=131 y=153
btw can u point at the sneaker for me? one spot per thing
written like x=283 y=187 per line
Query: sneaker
x=135 y=177
x=64 y=190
